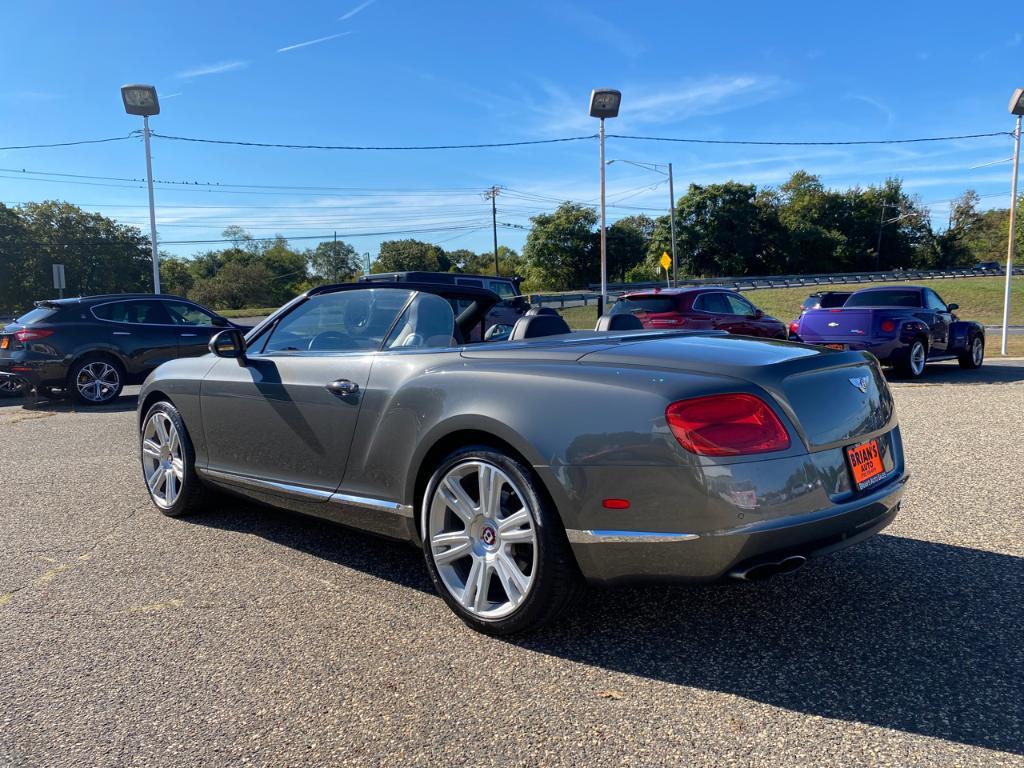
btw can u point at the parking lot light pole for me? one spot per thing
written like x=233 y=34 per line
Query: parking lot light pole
x=142 y=100
x=1016 y=108
x=604 y=102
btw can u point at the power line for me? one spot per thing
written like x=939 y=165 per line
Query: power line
x=73 y=143
x=806 y=143
x=324 y=237
x=373 y=148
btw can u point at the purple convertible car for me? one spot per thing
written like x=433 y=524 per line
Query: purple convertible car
x=903 y=326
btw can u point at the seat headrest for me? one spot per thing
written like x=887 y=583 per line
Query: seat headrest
x=541 y=311
x=619 y=322
x=533 y=326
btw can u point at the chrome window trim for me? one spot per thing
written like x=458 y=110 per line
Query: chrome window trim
x=577 y=536
x=94 y=307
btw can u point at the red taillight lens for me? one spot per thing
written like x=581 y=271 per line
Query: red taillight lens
x=792 y=327
x=31 y=335
x=726 y=425
x=888 y=326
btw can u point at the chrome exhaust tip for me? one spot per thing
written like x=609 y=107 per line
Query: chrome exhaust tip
x=762 y=571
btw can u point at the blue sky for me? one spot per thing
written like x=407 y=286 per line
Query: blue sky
x=398 y=72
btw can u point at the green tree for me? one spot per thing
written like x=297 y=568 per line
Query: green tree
x=334 y=261
x=628 y=241
x=411 y=256
x=18 y=276
x=560 y=251
x=175 y=275
x=236 y=286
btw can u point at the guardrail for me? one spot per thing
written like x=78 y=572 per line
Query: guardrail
x=585 y=298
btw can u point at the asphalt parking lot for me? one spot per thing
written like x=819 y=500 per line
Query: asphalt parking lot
x=247 y=635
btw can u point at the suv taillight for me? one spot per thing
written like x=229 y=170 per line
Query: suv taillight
x=726 y=425
x=31 y=335
x=888 y=326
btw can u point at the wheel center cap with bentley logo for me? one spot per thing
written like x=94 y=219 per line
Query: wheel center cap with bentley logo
x=489 y=536
x=860 y=383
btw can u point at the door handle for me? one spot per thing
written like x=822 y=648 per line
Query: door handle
x=187 y=334
x=122 y=333
x=343 y=388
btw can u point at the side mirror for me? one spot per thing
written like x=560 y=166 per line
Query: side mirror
x=229 y=343
x=952 y=307
x=220 y=322
x=758 y=314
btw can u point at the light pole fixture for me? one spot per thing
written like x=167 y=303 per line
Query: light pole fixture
x=142 y=100
x=1016 y=108
x=604 y=102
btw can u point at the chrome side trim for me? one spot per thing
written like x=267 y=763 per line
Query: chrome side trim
x=625 y=537
x=378 y=505
x=300 y=492
x=304 y=493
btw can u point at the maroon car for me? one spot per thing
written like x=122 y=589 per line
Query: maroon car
x=702 y=309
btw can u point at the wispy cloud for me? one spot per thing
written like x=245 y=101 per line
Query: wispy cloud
x=890 y=117
x=29 y=96
x=312 y=42
x=211 y=69
x=1013 y=42
x=361 y=7
x=601 y=30
x=174 y=95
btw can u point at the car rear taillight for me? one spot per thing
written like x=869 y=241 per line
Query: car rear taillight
x=726 y=425
x=792 y=328
x=888 y=326
x=31 y=335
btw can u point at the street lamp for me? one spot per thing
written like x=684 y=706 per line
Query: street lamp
x=604 y=102
x=1016 y=108
x=142 y=100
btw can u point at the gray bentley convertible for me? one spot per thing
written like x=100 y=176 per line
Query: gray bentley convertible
x=530 y=460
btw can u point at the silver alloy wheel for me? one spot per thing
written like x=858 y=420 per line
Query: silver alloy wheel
x=97 y=382
x=977 y=351
x=9 y=386
x=162 y=461
x=917 y=358
x=483 y=539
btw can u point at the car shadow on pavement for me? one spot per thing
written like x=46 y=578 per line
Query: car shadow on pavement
x=896 y=633
x=66 y=405
x=995 y=372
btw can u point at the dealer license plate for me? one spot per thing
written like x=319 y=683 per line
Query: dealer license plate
x=840 y=347
x=865 y=463
x=3 y=342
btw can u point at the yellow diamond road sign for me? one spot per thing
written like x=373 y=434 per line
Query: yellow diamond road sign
x=666 y=260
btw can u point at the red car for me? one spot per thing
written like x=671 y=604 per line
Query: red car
x=702 y=309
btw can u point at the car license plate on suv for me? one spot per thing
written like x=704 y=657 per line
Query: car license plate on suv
x=3 y=342
x=865 y=463
x=840 y=347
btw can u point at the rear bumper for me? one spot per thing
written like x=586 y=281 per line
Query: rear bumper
x=33 y=371
x=888 y=352
x=612 y=557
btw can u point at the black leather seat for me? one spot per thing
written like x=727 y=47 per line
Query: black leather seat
x=534 y=326
x=619 y=322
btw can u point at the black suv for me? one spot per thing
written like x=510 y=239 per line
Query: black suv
x=512 y=306
x=92 y=346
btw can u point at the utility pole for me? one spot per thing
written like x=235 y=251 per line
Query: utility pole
x=334 y=259
x=1013 y=223
x=672 y=224
x=492 y=195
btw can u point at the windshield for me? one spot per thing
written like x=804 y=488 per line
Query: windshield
x=36 y=315
x=882 y=298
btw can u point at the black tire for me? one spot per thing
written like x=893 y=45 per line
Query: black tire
x=10 y=387
x=907 y=367
x=557 y=582
x=103 y=376
x=974 y=355
x=192 y=494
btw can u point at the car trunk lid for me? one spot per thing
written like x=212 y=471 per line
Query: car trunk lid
x=832 y=397
x=835 y=324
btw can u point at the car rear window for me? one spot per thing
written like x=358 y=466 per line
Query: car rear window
x=37 y=315
x=652 y=303
x=830 y=300
x=893 y=298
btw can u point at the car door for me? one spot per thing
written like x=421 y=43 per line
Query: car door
x=141 y=330
x=287 y=414
x=941 y=319
x=746 y=316
x=716 y=306
x=195 y=326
